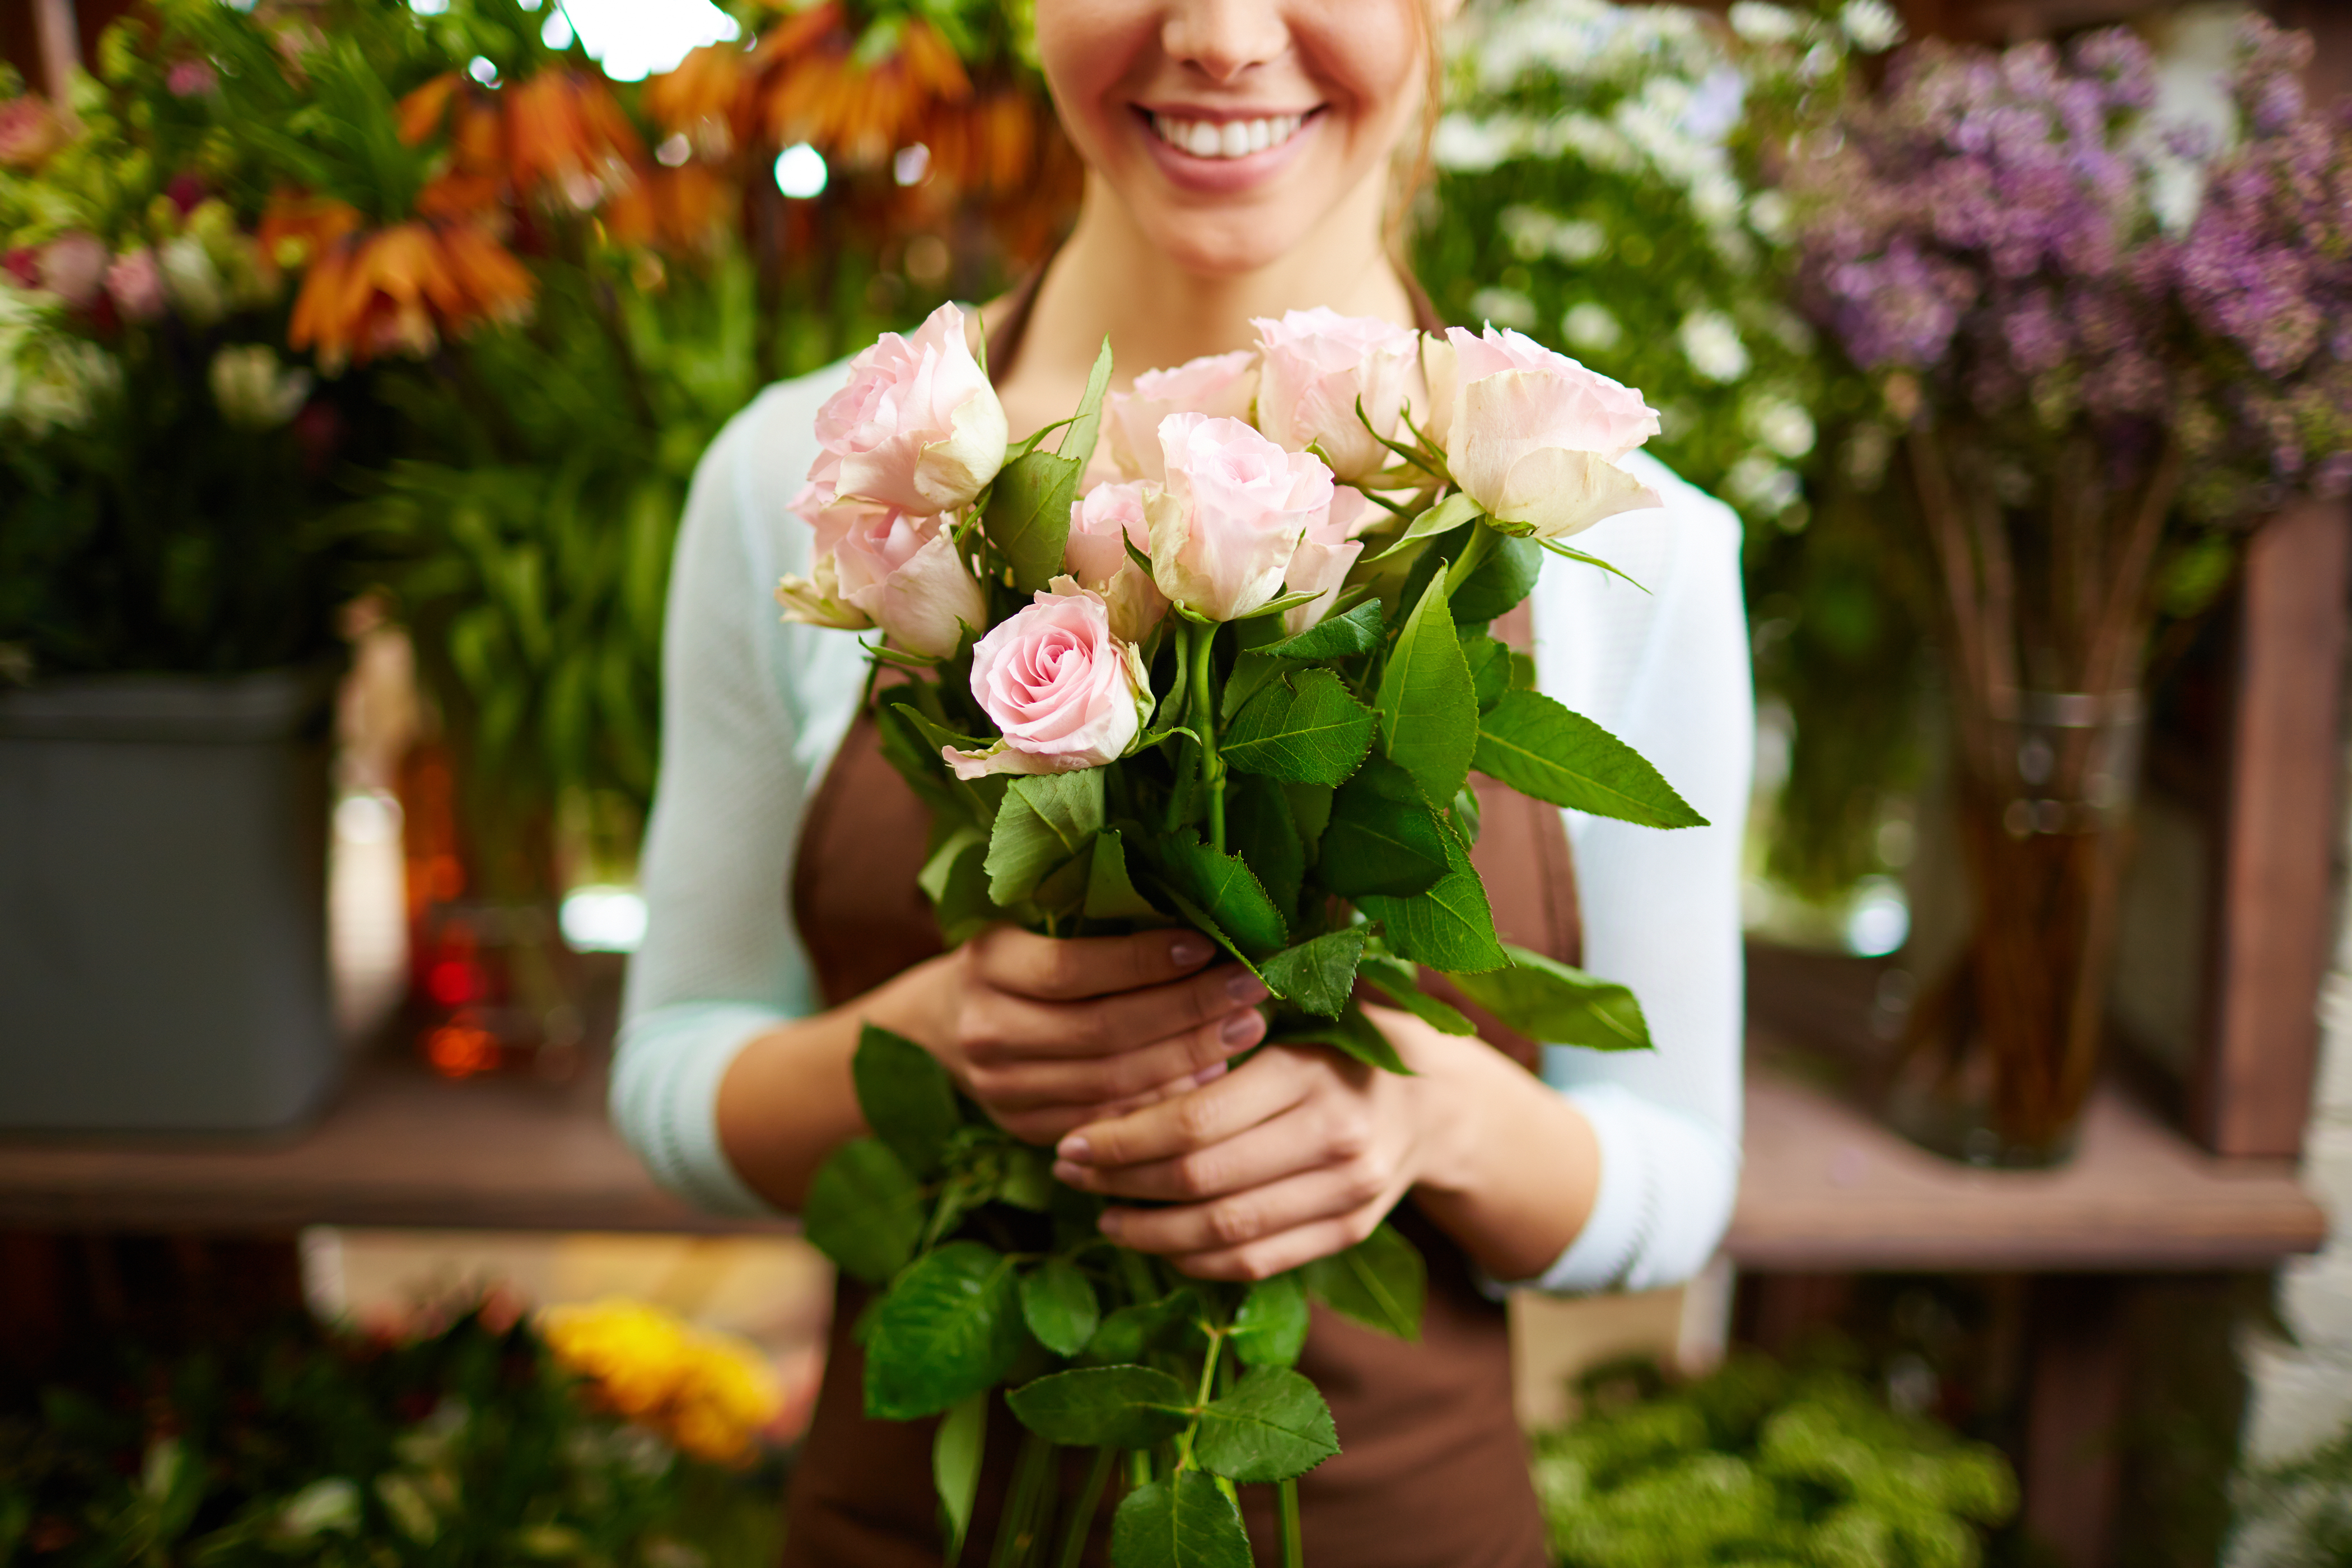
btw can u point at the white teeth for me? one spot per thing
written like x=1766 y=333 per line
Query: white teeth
x=1226 y=139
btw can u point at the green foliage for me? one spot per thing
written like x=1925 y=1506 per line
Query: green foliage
x=1429 y=709
x=1541 y=748
x=1758 y=1463
x=324 y=1447
x=1304 y=729
x=1547 y=1000
x=1183 y=1520
x=1271 y=1427
x=1380 y=1282
x=2302 y=1510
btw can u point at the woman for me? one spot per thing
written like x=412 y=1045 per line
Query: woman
x=1239 y=157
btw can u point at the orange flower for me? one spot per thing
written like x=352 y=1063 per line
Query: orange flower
x=401 y=288
x=420 y=112
x=565 y=133
x=681 y=208
x=297 y=227
x=705 y=87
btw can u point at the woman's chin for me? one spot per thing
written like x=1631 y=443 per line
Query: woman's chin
x=1218 y=243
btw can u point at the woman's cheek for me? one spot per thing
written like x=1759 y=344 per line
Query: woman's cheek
x=1088 y=49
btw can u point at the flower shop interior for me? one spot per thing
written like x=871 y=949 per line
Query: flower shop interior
x=355 y=358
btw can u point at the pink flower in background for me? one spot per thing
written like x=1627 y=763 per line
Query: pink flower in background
x=73 y=267
x=191 y=79
x=1320 y=565
x=1102 y=526
x=918 y=427
x=1063 y=692
x=1220 y=386
x=30 y=132
x=136 y=285
x=1234 y=509
x=904 y=574
x=1535 y=438
x=1319 y=365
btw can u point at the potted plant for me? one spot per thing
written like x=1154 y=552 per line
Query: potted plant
x=167 y=637
x=2092 y=390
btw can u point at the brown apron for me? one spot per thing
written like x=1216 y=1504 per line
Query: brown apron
x=1432 y=1471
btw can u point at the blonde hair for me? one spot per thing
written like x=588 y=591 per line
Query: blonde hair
x=1409 y=172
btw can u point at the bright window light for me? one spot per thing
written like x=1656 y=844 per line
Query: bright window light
x=482 y=70
x=800 y=170
x=636 y=38
x=556 y=31
x=599 y=918
x=1879 y=919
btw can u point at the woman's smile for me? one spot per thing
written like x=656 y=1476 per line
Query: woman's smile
x=1206 y=150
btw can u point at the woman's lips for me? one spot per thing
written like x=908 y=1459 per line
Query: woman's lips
x=1224 y=152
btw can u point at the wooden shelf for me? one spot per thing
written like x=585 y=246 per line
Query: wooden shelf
x=1826 y=1190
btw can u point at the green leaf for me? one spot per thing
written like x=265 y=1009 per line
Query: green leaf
x=1542 y=748
x=1057 y=1302
x=1230 y=892
x=1078 y=444
x=1400 y=983
x=1429 y=710
x=1028 y=1179
x=1562 y=551
x=947 y=1329
x=1250 y=674
x=1259 y=829
x=908 y=1099
x=1546 y=1000
x=956 y=1452
x=863 y=1210
x=1273 y=1427
x=1340 y=636
x=1317 y=975
x=1350 y=1033
x=1382 y=836
x=961 y=906
x=1450 y=928
x=1303 y=729
x=1490 y=667
x=1499 y=582
x=1028 y=518
x=1270 y=1329
x=1380 y=1282
x=1310 y=813
x=1180 y=1520
x=1444 y=518
x=1110 y=893
x=1044 y=821
x=1103 y=1406
x=1131 y=1331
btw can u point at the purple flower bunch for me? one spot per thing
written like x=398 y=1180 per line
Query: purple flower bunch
x=1983 y=236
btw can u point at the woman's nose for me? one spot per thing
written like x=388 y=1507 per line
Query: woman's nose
x=1224 y=38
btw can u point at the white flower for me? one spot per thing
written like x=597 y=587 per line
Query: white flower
x=191 y=282
x=253 y=390
x=1761 y=485
x=49 y=380
x=1761 y=24
x=1590 y=325
x=1503 y=308
x=1872 y=25
x=1780 y=425
x=1712 y=345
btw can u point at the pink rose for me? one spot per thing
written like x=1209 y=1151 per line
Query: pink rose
x=1320 y=566
x=1220 y=385
x=73 y=267
x=918 y=427
x=1063 y=690
x=1319 y=365
x=1535 y=438
x=136 y=285
x=1234 y=509
x=191 y=79
x=1102 y=526
x=29 y=131
x=904 y=574
x=815 y=600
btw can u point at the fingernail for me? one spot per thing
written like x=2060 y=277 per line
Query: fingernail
x=1190 y=949
x=1241 y=1028
x=1071 y=1176
x=1075 y=1149
x=1208 y=1075
x=1244 y=988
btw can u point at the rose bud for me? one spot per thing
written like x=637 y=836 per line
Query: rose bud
x=1063 y=692
x=1220 y=386
x=917 y=429
x=1102 y=525
x=135 y=283
x=1535 y=438
x=903 y=571
x=1320 y=366
x=1235 y=507
x=815 y=600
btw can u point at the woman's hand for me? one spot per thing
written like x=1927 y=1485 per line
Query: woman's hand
x=1049 y=1035
x=1301 y=1152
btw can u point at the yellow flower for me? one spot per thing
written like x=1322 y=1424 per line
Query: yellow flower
x=709 y=1393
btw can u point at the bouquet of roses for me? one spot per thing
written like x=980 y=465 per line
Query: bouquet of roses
x=1239 y=687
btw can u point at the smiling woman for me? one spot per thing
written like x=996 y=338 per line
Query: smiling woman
x=1237 y=224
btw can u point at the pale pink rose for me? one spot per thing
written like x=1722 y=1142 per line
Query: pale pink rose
x=1063 y=690
x=1440 y=387
x=73 y=267
x=904 y=574
x=1220 y=386
x=136 y=285
x=1102 y=525
x=918 y=427
x=1319 y=365
x=1535 y=438
x=1234 y=509
x=1320 y=565
x=815 y=600
x=29 y=131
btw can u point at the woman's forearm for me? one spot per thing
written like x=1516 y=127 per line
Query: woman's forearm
x=787 y=1101
x=1513 y=1166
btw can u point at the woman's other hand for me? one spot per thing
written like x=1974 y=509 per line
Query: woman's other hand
x=1301 y=1152
x=1049 y=1034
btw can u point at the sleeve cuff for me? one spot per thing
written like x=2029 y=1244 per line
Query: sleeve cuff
x=665 y=1099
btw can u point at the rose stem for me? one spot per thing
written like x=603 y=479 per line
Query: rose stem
x=1074 y=1535
x=1482 y=539
x=1204 y=721
x=1294 y=1550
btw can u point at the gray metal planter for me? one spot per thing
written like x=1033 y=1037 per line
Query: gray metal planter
x=162 y=904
